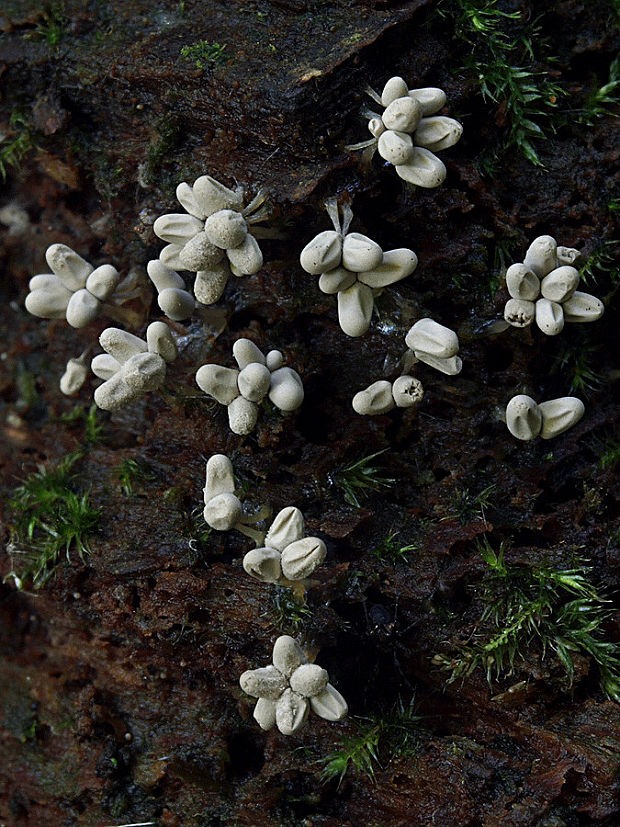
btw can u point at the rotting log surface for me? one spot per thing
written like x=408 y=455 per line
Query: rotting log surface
x=119 y=679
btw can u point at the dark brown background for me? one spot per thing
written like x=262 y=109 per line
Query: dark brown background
x=148 y=638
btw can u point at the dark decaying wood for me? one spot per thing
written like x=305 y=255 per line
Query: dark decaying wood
x=119 y=679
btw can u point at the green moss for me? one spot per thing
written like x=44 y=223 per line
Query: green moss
x=602 y=101
x=204 y=55
x=52 y=25
x=390 y=551
x=29 y=731
x=132 y=472
x=557 y=613
x=507 y=56
x=26 y=387
x=358 y=753
x=197 y=530
x=469 y=506
x=49 y=515
x=357 y=480
x=610 y=456
x=487 y=262
x=90 y=419
x=575 y=362
x=290 y=613
x=504 y=254
x=16 y=141
x=601 y=265
x=380 y=739
x=606 y=447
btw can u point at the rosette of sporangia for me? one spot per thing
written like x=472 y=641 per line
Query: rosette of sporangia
x=287 y=556
x=244 y=389
x=131 y=366
x=212 y=238
x=543 y=288
x=409 y=131
x=355 y=267
x=289 y=688
x=77 y=291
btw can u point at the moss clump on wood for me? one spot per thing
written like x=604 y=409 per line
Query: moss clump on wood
x=204 y=54
x=553 y=611
x=50 y=516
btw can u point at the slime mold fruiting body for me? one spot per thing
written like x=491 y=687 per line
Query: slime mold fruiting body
x=409 y=131
x=288 y=555
x=543 y=288
x=290 y=688
x=212 y=239
x=131 y=366
x=223 y=510
x=75 y=290
x=526 y=419
x=355 y=267
x=242 y=390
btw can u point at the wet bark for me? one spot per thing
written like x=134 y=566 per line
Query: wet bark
x=119 y=679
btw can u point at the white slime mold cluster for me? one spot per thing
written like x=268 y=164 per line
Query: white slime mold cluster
x=429 y=342
x=288 y=555
x=382 y=396
x=526 y=419
x=355 y=267
x=211 y=238
x=289 y=688
x=409 y=131
x=242 y=390
x=543 y=288
x=435 y=345
x=75 y=290
x=131 y=366
x=223 y=510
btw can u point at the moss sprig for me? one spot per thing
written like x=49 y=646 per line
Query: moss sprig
x=380 y=739
x=359 y=478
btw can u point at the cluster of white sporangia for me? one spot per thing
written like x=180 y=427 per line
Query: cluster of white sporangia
x=242 y=390
x=131 y=366
x=544 y=289
x=223 y=510
x=75 y=290
x=288 y=556
x=289 y=688
x=428 y=342
x=435 y=345
x=382 y=396
x=211 y=239
x=526 y=419
x=355 y=267
x=406 y=136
